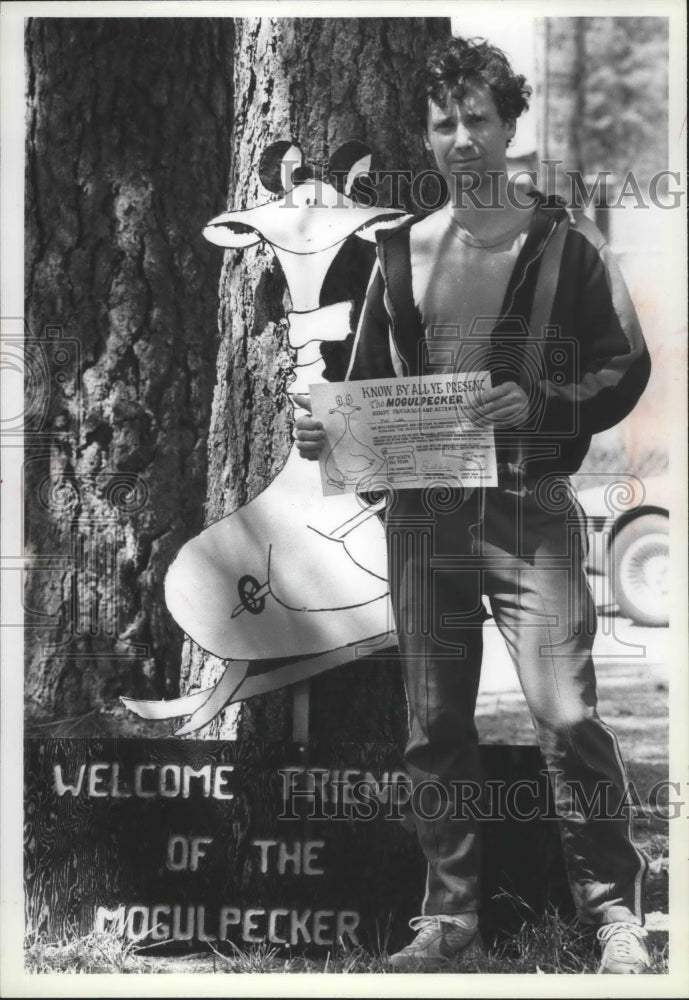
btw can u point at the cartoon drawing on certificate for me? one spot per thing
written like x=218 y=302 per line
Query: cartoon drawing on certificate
x=349 y=460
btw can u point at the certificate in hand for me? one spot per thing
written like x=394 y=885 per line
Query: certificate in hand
x=406 y=432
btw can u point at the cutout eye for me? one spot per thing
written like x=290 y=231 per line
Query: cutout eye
x=348 y=400
x=277 y=165
x=338 y=400
x=347 y=163
x=226 y=231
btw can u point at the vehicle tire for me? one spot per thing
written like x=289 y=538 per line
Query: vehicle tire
x=640 y=558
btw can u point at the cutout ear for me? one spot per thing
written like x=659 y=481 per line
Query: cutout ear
x=347 y=162
x=278 y=162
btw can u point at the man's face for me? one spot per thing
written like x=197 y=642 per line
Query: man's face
x=468 y=136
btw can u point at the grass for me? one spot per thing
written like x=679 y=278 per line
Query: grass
x=96 y=952
x=550 y=945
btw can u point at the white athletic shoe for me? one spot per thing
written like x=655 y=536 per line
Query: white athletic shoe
x=440 y=940
x=624 y=949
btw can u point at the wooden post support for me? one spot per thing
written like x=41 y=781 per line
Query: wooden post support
x=300 y=712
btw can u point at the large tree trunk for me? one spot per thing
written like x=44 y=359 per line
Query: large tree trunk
x=319 y=82
x=127 y=156
x=560 y=52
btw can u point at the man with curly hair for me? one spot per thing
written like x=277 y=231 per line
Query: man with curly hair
x=534 y=298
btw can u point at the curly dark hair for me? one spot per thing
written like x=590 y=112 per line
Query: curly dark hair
x=457 y=62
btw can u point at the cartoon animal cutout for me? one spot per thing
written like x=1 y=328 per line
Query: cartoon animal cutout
x=287 y=585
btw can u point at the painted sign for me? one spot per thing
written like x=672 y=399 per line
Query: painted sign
x=192 y=844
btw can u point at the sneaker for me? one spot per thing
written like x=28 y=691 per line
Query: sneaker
x=440 y=940
x=624 y=949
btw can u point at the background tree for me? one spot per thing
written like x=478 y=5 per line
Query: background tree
x=625 y=87
x=319 y=82
x=130 y=136
x=560 y=50
x=127 y=156
x=603 y=84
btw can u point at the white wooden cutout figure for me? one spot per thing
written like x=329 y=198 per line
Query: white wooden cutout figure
x=286 y=585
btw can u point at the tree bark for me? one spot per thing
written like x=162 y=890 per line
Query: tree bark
x=561 y=52
x=319 y=82
x=128 y=127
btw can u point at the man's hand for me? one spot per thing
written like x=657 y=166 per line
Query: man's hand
x=309 y=433
x=506 y=406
